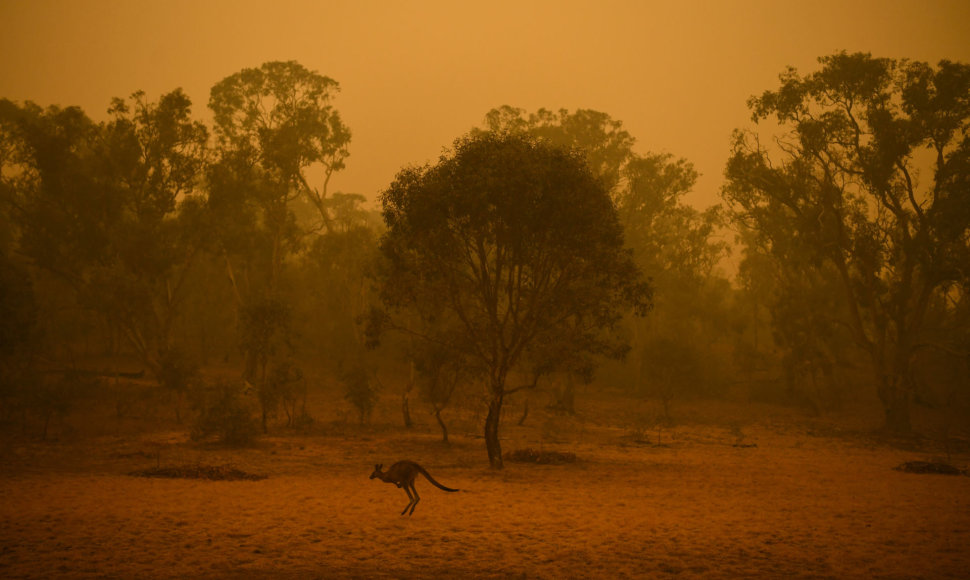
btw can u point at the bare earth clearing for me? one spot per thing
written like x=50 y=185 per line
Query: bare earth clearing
x=797 y=504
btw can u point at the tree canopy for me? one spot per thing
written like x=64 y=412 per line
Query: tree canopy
x=107 y=208
x=867 y=182
x=518 y=246
x=279 y=116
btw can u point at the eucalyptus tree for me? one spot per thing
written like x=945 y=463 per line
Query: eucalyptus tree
x=674 y=243
x=335 y=276
x=110 y=208
x=279 y=117
x=868 y=177
x=274 y=125
x=520 y=245
x=648 y=189
x=607 y=146
x=276 y=128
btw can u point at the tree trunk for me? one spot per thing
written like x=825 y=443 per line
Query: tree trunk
x=47 y=422
x=895 y=395
x=567 y=396
x=406 y=411
x=405 y=400
x=492 y=444
x=249 y=371
x=263 y=390
x=444 y=428
x=525 y=412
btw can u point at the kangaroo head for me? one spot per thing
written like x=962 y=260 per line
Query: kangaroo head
x=377 y=471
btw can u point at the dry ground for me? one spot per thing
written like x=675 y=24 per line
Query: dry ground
x=797 y=504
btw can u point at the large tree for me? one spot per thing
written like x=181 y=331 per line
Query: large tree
x=280 y=118
x=276 y=128
x=518 y=246
x=869 y=179
x=673 y=243
x=110 y=208
x=607 y=146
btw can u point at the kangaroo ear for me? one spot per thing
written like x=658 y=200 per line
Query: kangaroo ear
x=378 y=466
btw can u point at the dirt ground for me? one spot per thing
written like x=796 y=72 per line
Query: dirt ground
x=797 y=501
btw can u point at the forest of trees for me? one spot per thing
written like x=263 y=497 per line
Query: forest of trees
x=542 y=252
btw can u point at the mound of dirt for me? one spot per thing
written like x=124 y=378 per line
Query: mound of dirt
x=929 y=467
x=199 y=471
x=530 y=455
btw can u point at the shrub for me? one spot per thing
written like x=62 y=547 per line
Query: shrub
x=360 y=391
x=176 y=373
x=530 y=455
x=225 y=414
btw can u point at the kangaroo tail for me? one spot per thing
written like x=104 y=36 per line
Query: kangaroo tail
x=427 y=475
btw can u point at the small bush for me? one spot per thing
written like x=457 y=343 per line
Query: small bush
x=530 y=455
x=283 y=387
x=930 y=467
x=302 y=422
x=224 y=413
x=647 y=424
x=176 y=373
x=47 y=398
x=360 y=391
x=199 y=471
x=176 y=370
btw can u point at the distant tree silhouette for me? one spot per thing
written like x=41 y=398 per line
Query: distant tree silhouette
x=112 y=209
x=675 y=245
x=274 y=125
x=869 y=183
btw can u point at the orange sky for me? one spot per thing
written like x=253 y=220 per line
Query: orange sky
x=416 y=74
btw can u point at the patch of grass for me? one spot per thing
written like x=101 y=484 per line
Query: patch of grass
x=529 y=455
x=199 y=471
x=929 y=467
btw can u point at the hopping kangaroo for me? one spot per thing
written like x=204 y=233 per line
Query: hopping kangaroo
x=403 y=474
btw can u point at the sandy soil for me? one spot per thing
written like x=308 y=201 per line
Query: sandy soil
x=794 y=505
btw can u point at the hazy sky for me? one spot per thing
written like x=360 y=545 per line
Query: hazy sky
x=416 y=74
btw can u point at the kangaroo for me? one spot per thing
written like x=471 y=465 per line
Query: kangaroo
x=403 y=474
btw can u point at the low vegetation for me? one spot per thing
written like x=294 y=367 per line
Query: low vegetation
x=198 y=471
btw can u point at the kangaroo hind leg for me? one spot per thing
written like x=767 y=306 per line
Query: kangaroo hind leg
x=411 y=501
x=416 y=499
